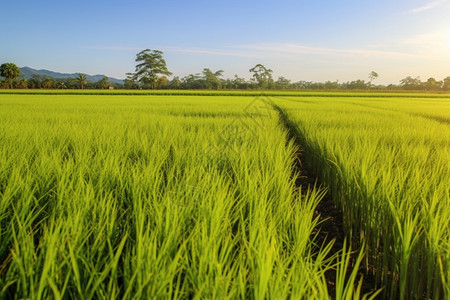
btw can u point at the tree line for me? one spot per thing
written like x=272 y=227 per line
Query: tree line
x=151 y=72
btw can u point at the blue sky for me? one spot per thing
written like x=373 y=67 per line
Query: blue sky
x=300 y=40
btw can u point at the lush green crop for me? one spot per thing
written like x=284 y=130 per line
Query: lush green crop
x=386 y=162
x=117 y=196
x=142 y=197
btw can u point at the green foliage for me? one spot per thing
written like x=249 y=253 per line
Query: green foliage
x=104 y=83
x=446 y=84
x=262 y=76
x=212 y=80
x=409 y=83
x=9 y=71
x=82 y=80
x=150 y=64
x=193 y=197
x=372 y=76
x=386 y=163
x=152 y=197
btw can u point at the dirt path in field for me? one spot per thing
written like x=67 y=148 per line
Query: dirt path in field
x=330 y=218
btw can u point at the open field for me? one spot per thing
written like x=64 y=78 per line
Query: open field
x=186 y=196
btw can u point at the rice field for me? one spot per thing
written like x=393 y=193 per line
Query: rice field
x=386 y=163
x=195 y=196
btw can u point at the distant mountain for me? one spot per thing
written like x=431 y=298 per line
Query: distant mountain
x=28 y=72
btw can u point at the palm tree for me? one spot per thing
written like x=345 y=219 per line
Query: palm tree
x=82 y=80
x=10 y=71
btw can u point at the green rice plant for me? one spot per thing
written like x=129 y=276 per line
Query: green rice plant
x=387 y=168
x=107 y=196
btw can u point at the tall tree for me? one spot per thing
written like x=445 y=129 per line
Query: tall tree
x=262 y=75
x=150 y=64
x=82 y=80
x=10 y=71
x=372 y=76
x=211 y=78
x=433 y=85
x=446 y=83
x=409 y=83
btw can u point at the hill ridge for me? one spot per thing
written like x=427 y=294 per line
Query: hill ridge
x=28 y=72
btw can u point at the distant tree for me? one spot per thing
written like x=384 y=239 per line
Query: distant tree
x=262 y=76
x=302 y=84
x=150 y=64
x=356 y=85
x=239 y=83
x=372 y=76
x=175 y=83
x=22 y=84
x=62 y=85
x=129 y=83
x=35 y=81
x=211 y=79
x=282 y=83
x=409 y=83
x=104 y=83
x=446 y=84
x=393 y=87
x=72 y=83
x=432 y=84
x=192 y=81
x=9 y=71
x=48 y=83
x=331 y=85
x=162 y=82
x=82 y=80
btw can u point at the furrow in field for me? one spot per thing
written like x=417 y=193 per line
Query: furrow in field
x=331 y=227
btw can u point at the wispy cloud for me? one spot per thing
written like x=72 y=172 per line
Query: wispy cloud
x=427 y=6
x=283 y=50
x=303 y=49
x=206 y=51
x=234 y=51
